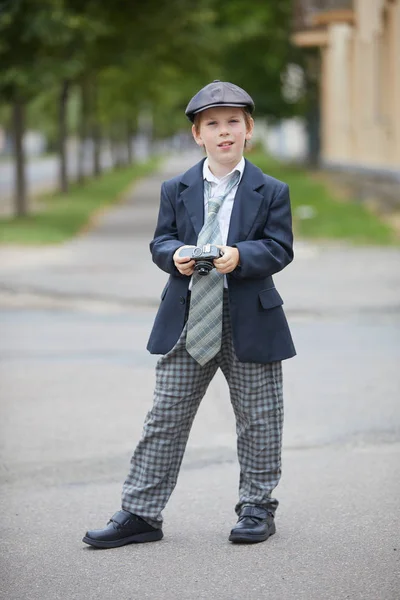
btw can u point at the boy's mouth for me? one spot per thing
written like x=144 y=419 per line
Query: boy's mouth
x=224 y=144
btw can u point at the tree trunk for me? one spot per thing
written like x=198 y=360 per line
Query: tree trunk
x=62 y=133
x=95 y=132
x=120 y=146
x=21 y=205
x=113 y=149
x=117 y=147
x=129 y=140
x=83 y=128
x=313 y=134
x=96 y=149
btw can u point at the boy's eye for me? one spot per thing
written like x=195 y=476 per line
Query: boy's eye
x=211 y=123
x=234 y=121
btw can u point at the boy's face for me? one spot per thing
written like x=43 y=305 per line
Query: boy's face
x=223 y=133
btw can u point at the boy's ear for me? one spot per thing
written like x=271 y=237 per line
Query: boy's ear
x=197 y=138
x=249 y=131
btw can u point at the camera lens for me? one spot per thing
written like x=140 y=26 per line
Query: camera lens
x=203 y=267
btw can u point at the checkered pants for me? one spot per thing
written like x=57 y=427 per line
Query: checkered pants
x=257 y=400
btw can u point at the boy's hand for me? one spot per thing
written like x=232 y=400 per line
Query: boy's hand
x=184 y=266
x=229 y=261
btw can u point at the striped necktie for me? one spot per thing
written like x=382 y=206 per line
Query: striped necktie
x=204 y=331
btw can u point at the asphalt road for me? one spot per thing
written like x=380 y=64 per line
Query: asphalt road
x=76 y=383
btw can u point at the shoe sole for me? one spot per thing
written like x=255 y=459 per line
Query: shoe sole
x=140 y=538
x=240 y=538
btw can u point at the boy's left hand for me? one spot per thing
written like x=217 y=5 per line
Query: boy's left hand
x=229 y=261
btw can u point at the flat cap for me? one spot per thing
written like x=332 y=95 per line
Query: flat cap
x=218 y=93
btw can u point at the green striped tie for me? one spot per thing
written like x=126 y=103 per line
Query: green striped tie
x=204 y=331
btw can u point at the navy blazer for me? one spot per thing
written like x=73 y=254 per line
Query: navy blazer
x=261 y=229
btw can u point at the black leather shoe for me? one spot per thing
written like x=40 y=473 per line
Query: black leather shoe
x=123 y=528
x=255 y=524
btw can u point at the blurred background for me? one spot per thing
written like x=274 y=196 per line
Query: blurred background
x=88 y=87
x=92 y=100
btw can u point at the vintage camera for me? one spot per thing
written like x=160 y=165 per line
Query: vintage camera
x=203 y=257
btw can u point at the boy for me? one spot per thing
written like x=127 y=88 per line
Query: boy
x=230 y=318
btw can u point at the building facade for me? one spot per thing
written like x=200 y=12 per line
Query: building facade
x=359 y=44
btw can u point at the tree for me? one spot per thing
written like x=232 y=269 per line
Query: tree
x=123 y=58
x=258 y=51
x=18 y=83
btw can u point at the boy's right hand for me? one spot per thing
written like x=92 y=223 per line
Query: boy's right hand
x=184 y=266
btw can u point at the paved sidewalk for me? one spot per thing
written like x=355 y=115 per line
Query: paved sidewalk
x=76 y=383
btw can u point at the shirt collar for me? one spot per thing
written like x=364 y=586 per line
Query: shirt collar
x=210 y=177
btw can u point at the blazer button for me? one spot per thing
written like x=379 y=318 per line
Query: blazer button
x=182 y=300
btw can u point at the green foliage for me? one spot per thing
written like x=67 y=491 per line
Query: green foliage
x=154 y=53
x=42 y=42
x=257 y=50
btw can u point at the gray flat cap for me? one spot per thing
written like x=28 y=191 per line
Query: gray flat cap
x=218 y=93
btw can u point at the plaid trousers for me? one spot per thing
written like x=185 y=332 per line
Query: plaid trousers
x=257 y=400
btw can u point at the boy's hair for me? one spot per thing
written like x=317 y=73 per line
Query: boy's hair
x=246 y=114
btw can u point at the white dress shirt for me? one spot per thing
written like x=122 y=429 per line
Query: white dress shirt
x=217 y=189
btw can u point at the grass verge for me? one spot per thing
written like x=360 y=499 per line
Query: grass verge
x=320 y=213
x=62 y=216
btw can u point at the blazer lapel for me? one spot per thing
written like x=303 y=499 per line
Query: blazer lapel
x=193 y=195
x=246 y=205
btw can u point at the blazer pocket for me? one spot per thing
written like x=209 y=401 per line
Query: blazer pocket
x=270 y=298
